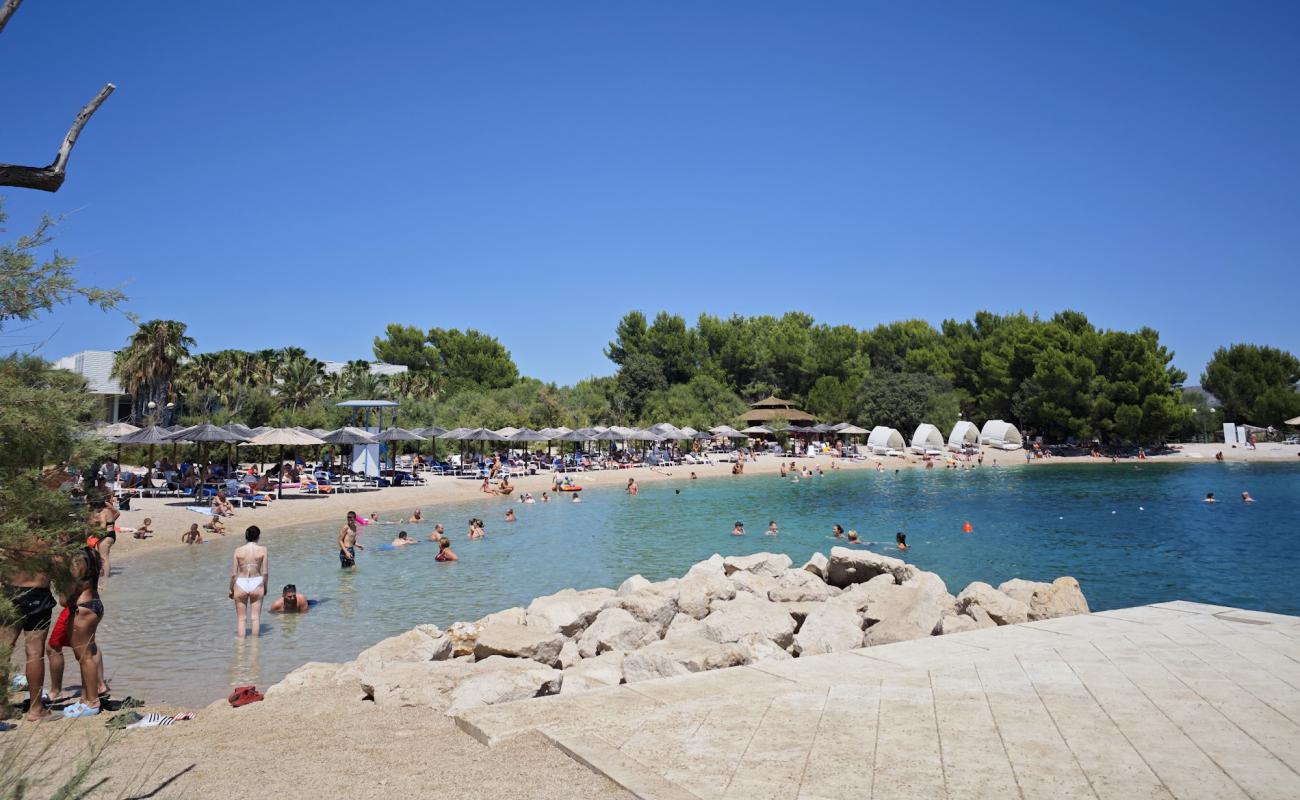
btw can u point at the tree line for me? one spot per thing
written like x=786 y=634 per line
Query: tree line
x=1061 y=377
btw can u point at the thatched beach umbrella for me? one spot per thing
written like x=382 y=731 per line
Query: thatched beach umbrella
x=396 y=434
x=115 y=430
x=202 y=435
x=150 y=436
x=290 y=437
x=348 y=435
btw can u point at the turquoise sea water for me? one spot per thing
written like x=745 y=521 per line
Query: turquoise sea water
x=1130 y=534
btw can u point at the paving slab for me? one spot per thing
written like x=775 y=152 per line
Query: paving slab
x=1176 y=700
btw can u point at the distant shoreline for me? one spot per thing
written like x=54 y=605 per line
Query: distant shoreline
x=171 y=519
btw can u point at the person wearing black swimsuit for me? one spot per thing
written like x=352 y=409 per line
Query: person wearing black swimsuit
x=88 y=611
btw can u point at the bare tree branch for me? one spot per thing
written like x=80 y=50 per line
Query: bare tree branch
x=7 y=10
x=50 y=178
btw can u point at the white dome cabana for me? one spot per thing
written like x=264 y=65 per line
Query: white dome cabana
x=884 y=439
x=964 y=434
x=927 y=439
x=1002 y=435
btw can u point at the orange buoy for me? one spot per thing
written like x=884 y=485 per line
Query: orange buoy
x=967 y=528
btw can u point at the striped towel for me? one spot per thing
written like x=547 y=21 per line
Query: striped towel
x=153 y=720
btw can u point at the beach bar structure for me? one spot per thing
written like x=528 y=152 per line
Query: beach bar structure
x=964 y=434
x=883 y=439
x=1002 y=435
x=927 y=439
x=774 y=409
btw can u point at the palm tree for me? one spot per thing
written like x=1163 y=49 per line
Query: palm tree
x=300 y=382
x=147 y=366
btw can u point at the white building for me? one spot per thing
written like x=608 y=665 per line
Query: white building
x=96 y=366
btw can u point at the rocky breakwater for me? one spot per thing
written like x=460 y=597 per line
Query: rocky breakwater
x=723 y=612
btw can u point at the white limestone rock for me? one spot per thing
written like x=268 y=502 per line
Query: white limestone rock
x=513 y=616
x=501 y=680
x=957 y=623
x=799 y=586
x=568 y=611
x=518 y=641
x=829 y=629
x=908 y=613
x=680 y=656
x=315 y=675
x=696 y=593
x=569 y=654
x=684 y=625
x=1061 y=598
x=754 y=583
x=848 y=567
x=733 y=619
x=424 y=684
x=649 y=606
x=463 y=635
x=633 y=584
x=604 y=670
x=615 y=629
x=1002 y=609
x=770 y=564
x=713 y=565
x=818 y=565
x=421 y=643
x=758 y=648
x=877 y=593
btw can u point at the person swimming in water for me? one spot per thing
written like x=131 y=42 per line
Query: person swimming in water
x=771 y=528
x=900 y=539
x=510 y=515
x=852 y=537
x=1246 y=498
x=415 y=517
x=546 y=498
x=403 y=540
x=739 y=530
x=445 y=552
x=291 y=601
x=1209 y=497
x=438 y=532
x=837 y=531
x=576 y=498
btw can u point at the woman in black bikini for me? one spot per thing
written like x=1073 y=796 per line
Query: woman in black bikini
x=88 y=611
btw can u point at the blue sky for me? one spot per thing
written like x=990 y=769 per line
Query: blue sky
x=303 y=173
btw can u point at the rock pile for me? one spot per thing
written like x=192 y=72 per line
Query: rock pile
x=723 y=612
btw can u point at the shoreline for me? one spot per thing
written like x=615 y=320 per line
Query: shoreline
x=171 y=519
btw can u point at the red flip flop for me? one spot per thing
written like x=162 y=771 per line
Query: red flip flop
x=243 y=695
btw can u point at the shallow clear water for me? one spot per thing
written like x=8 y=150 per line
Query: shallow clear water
x=1131 y=535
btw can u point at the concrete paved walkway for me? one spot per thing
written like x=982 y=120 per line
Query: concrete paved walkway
x=1172 y=700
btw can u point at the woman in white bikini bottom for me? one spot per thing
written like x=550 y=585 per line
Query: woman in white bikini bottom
x=249 y=572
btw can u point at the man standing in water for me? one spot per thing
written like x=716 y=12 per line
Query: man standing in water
x=348 y=545
x=33 y=605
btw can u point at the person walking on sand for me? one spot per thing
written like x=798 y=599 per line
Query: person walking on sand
x=438 y=532
x=348 y=545
x=33 y=605
x=249 y=573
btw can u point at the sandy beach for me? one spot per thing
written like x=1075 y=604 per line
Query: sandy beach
x=313 y=740
x=171 y=519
